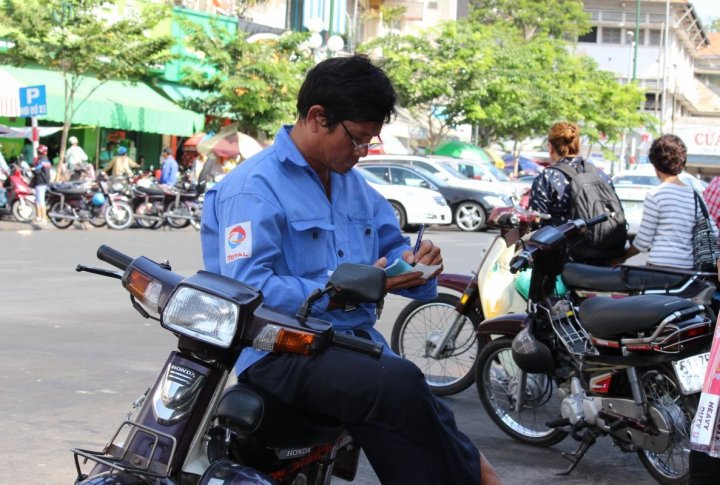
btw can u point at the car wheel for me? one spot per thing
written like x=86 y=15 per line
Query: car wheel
x=470 y=216
x=399 y=212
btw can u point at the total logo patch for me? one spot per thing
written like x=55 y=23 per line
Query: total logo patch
x=238 y=242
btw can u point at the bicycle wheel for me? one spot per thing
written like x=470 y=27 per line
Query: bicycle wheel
x=415 y=336
x=498 y=377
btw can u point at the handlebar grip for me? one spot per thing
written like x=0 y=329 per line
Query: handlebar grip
x=114 y=257
x=596 y=220
x=520 y=263
x=357 y=344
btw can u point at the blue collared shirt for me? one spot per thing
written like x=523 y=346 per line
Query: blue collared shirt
x=269 y=224
x=169 y=173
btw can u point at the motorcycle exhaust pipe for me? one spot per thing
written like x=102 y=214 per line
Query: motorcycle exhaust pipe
x=64 y=216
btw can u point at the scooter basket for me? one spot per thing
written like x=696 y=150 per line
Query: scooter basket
x=567 y=328
x=154 y=462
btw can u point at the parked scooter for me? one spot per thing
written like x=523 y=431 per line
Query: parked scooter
x=189 y=427
x=179 y=206
x=439 y=335
x=17 y=197
x=630 y=368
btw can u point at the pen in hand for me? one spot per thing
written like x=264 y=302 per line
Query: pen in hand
x=419 y=240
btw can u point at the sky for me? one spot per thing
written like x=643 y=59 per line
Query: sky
x=707 y=10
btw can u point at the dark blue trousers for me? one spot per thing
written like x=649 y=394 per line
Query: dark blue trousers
x=408 y=435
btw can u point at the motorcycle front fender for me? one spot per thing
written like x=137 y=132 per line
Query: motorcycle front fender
x=509 y=325
x=453 y=281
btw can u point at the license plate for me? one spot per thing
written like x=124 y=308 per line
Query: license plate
x=691 y=372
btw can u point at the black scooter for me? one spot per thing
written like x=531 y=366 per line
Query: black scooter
x=192 y=428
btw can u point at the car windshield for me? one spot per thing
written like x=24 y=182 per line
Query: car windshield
x=452 y=171
x=430 y=177
x=474 y=169
x=371 y=177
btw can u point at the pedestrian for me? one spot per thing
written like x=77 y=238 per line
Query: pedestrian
x=107 y=154
x=75 y=156
x=669 y=210
x=121 y=164
x=711 y=195
x=169 y=173
x=302 y=211
x=4 y=168
x=40 y=181
x=573 y=187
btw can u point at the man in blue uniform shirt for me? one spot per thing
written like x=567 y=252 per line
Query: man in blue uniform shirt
x=282 y=221
x=169 y=174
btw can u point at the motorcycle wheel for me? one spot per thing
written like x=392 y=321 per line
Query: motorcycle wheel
x=180 y=209
x=497 y=380
x=97 y=215
x=24 y=211
x=64 y=209
x=671 y=467
x=148 y=210
x=414 y=336
x=119 y=217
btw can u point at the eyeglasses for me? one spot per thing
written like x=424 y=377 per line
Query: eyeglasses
x=358 y=147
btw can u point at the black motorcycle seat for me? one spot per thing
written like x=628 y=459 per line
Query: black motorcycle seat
x=68 y=189
x=275 y=423
x=604 y=317
x=150 y=190
x=621 y=278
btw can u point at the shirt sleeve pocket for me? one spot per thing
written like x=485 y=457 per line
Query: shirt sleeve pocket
x=309 y=247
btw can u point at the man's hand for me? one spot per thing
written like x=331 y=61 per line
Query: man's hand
x=427 y=254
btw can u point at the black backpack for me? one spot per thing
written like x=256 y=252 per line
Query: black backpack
x=591 y=196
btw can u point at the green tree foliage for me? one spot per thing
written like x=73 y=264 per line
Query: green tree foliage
x=565 y=19
x=256 y=83
x=509 y=84
x=71 y=36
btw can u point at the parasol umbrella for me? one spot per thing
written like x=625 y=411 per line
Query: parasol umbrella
x=461 y=149
x=229 y=143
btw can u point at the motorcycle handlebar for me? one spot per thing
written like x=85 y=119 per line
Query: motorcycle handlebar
x=596 y=220
x=520 y=262
x=114 y=257
x=357 y=344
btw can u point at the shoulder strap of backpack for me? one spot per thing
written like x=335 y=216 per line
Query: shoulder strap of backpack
x=566 y=169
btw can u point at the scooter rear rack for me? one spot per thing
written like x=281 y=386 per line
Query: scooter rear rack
x=116 y=457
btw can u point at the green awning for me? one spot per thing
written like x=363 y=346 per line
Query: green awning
x=114 y=104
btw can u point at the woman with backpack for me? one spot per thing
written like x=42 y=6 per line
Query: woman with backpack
x=574 y=188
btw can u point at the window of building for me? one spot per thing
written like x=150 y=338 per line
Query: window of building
x=590 y=37
x=654 y=36
x=611 y=35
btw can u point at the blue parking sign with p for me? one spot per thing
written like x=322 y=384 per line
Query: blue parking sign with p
x=33 y=101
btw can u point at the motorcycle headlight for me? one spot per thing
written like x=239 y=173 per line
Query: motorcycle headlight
x=201 y=316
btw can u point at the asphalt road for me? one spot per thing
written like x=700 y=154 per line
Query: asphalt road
x=74 y=355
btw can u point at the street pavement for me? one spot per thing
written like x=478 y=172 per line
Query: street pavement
x=74 y=355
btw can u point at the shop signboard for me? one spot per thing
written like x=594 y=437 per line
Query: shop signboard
x=700 y=139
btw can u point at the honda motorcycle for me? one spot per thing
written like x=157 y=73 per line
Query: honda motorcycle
x=630 y=368
x=18 y=197
x=88 y=202
x=192 y=426
x=439 y=335
x=179 y=206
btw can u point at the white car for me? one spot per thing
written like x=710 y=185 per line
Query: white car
x=442 y=167
x=412 y=205
x=633 y=185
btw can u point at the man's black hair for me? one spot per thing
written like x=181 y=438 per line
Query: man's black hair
x=349 y=88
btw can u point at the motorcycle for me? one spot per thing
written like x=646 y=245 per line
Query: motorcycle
x=178 y=206
x=191 y=426
x=630 y=368
x=17 y=197
x=440 y=337
x=88 y=202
